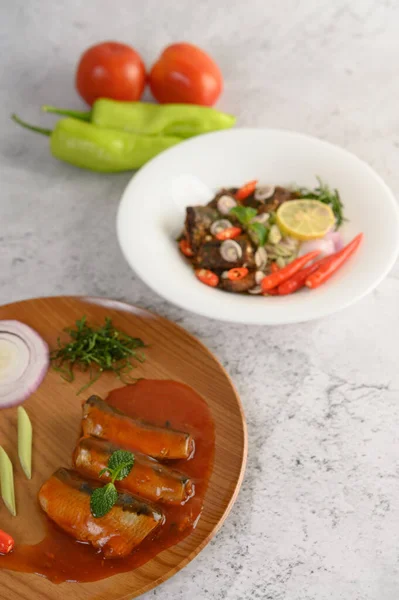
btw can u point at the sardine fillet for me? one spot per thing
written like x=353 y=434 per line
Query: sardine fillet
x=148 y=478
x=103 y=421
x=65 y=497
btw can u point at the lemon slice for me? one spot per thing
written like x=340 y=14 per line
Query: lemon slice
x=305 y=219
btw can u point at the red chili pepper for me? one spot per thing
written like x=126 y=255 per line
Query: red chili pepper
x=237 y=273
x=185 y=248
x=271 y=281
x=334 y=263
x=208 y=277
x=297 y=281
x=229 y=233
x=6 y=542
x=272 y=292
x=246 y=190
x=274 y=268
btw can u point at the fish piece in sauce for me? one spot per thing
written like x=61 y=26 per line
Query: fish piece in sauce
x=103 y=421
x=148 y=478
x=65 y=497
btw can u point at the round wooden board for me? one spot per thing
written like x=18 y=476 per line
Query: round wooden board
x=55 y=412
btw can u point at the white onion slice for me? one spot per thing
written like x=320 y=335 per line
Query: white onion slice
x=24 y=361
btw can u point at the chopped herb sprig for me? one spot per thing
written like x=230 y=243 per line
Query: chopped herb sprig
x=97 y=350
x=325 y=194
x=103 y=499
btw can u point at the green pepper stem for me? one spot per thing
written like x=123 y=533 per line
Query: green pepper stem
x=41 y=130
x=76 y=114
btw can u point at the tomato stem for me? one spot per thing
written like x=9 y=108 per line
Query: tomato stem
x=41 y=130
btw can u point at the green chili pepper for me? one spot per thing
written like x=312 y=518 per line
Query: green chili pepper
x=182 y=120
x=106 y=150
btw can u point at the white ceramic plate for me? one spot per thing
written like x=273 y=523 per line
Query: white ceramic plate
x=152 y=209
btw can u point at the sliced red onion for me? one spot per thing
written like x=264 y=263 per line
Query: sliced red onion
x=326 y=247
x=264 y=192
x=24 y=361
x=225 y=204
x=337 y=239
x=230 y=251
x=220 y=225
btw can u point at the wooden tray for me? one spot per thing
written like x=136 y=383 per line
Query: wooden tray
x=55 y=411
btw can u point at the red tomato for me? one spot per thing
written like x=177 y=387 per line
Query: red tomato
x=185 y=73
x=110 y=70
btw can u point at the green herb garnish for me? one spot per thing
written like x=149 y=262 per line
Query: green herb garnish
x=324 y=194
x=103 y=499
x=257 y=231
x=244 y=213
x=97 y=350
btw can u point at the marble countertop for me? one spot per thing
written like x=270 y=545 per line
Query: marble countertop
x=318 y=514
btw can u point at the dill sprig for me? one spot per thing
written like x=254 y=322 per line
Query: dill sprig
x=97 y=350
x=325 y=194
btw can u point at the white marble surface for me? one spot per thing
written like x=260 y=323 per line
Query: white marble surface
x=318 y=514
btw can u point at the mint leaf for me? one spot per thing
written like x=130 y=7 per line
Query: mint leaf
x=102 y=500
x=244 y=213
x=120 y=464
x=103 y=471
x=258 y=233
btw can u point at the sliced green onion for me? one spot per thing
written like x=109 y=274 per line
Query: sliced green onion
x=25 y=441
x=7 y=482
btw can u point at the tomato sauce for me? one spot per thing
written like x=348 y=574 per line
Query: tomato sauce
x=165 y=403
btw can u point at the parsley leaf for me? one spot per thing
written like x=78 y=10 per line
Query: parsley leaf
x=102 y=500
